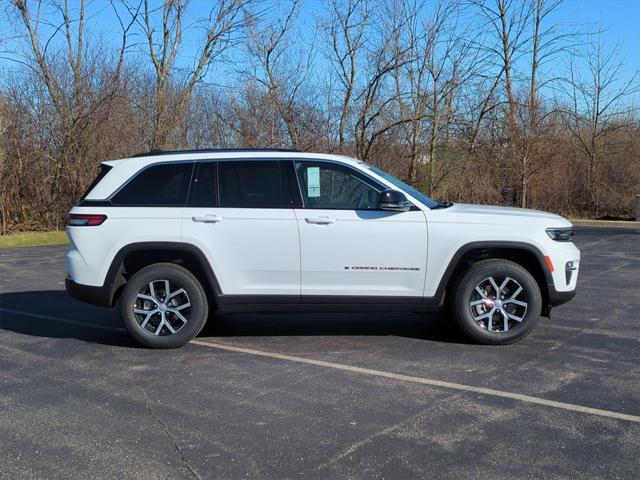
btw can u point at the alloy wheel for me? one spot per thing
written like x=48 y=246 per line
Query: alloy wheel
x=162 y=307
x=498 y=303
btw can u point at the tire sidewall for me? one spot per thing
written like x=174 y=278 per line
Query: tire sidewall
x=475 y=275
x=179 y=276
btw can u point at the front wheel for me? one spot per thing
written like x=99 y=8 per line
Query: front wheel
x=163 y=306
x=496 y=302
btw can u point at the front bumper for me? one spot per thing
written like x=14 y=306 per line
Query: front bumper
x=558 y=298
x=555 y=298
x=562 y=277
x=565 y=258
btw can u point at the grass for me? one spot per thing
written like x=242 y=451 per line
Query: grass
x=32 y=239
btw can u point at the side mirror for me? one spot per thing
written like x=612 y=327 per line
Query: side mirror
x=394 y=201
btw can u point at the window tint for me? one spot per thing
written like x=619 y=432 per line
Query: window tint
x=204 y=188
x=164 y=185
x=331 y=186
x=252 y=184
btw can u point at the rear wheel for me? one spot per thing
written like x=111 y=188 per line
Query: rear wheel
x=497 y=302
x=164 y=306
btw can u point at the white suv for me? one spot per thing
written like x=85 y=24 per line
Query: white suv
x=176 y=235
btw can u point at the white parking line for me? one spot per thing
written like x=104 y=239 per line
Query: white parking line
x=366 y=371
x=425 y=381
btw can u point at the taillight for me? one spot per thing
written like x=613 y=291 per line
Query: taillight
x=85 y=220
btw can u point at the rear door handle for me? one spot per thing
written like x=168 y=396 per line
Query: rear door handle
x=320 y=220
x=207 y=219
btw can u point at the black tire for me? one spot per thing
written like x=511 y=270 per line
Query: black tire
x=465 y=293
x=194 y=296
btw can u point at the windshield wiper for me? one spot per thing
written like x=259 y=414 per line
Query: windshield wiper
x=443 y=204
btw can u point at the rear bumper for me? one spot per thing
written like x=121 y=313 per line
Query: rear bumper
x=88 y=293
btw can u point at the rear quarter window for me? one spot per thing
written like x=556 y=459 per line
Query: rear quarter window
x=164 y=185
x=104 y=169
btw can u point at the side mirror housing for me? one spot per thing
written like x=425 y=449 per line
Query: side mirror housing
x=394 y=201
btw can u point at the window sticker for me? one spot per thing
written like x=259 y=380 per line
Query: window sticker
x=313 y=182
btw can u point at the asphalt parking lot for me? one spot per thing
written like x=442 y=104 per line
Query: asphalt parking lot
x=322 y=396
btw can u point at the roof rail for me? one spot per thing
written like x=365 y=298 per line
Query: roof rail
x=151 y=153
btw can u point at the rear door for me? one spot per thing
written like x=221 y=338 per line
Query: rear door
x=351 y=248
x=241 y=216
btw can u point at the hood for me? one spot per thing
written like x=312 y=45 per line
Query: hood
x=500 y=215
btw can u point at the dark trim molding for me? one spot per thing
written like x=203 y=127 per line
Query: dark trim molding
x=88 y=293
x=439 y=297
x=317 y=303
x=230 y=300
x=344 y=304
x=95 y=203
x=105 y=294
x=558 y=298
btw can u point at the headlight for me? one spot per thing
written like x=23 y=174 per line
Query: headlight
x=561 y=234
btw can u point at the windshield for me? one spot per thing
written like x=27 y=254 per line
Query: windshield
x=403 y=186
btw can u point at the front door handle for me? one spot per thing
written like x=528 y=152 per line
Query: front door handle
x=320 y=220
x=207 y=219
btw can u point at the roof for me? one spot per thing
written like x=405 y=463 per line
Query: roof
x=224 y=154
x=155 y=153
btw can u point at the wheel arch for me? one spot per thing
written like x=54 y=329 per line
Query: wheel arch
x=524 y=254
x=133 y=257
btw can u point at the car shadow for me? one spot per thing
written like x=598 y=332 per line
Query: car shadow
x=53 y=313
x=431 y=327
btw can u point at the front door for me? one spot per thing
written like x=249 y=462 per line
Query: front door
x=351 y=248
x=241 y=216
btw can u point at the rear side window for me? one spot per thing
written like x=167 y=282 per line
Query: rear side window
x=104 y=169
x=253 y=184
x=204 y=188
x=164 y=185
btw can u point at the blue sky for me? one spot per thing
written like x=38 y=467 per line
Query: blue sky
x=619 y=21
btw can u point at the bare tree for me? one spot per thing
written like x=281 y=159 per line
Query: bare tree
x=597 y=107
x=72 y=103
x=546 y=42
x=373 y=104
x=461 y=105
x=522 y=30
x=364 y=55
x=81 y=85
x=164 y=37
x=508 y=20
x=440 y=61
x=280 y=66
x=346 y=31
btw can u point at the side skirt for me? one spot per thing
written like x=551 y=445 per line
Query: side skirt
x=321 y=303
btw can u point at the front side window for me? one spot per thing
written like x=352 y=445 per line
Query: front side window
x=163 y=185
x=327 y=185
x=252 y=184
